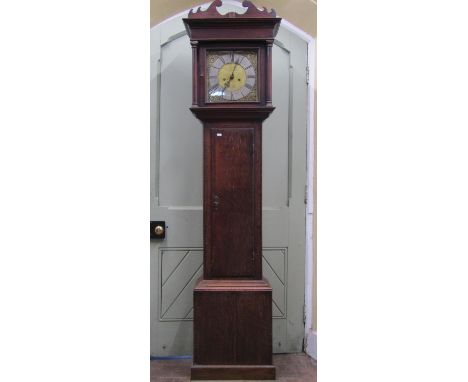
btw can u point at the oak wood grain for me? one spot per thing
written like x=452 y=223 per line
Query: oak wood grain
x=232 y=322
x=233 y=372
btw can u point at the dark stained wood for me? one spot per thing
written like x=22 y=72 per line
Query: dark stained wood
x=232 y=304
x=232 y=322
x=194 y=72
x=254 y=328
x=225 y=285
x=232 y=252
x=232 y=200
x=212 y=12
x=210 y=25
x=268 y=74
x=233 y=372
x=229 y=29
x=222 y=112
x=214 y=328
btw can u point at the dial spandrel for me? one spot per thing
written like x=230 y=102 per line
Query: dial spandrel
x=231 y=76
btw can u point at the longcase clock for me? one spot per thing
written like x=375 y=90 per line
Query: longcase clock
x=231 y=87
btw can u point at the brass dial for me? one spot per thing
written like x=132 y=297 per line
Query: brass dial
x=232 y=76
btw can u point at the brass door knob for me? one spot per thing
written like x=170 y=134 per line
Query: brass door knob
x=158 y=230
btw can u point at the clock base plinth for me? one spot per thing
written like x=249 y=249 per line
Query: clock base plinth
x=233 y=372
x=233 y=330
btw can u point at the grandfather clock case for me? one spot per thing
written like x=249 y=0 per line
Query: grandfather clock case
x=231 y=86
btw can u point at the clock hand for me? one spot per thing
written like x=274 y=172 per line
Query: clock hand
x=233 y=70
x=231 y=77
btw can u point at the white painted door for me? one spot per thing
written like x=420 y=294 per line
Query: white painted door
x=176 y=190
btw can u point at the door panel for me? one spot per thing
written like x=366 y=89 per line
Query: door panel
x=276 y=137
x=180 y=162
x=177 y=188
x=233 y=199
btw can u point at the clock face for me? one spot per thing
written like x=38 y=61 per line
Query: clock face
x=231 y=76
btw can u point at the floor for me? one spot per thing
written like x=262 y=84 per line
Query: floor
x=289 y=368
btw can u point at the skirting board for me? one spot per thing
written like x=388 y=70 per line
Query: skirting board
x=311 y=344
x=233 y=372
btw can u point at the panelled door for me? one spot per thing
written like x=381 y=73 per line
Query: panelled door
x=177 y=188
x=232 y=214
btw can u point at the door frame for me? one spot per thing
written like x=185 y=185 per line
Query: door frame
x=310 y=335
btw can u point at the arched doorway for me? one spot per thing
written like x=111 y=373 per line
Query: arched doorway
x=176 y=188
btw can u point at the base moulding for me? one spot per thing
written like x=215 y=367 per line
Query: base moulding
x=233 y=372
